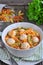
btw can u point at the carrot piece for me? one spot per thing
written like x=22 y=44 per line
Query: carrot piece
x=22 y=32
x=25 y=40
x=10 y=33
x=15 y=38
x=27 y=31
x=6 y=38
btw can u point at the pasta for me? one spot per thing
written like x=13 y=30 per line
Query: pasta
x=22 y=38
x=9 y=15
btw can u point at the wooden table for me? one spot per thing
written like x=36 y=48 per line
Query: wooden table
x=23 y=6
x=15 y=2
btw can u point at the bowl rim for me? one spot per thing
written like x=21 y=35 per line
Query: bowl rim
x=20 y=49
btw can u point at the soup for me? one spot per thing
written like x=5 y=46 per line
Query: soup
x=22 y=38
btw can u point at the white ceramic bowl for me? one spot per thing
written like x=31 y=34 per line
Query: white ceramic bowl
x=16 y=52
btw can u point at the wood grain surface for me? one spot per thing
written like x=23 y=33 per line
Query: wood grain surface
x=15 y=2
x=12 y=3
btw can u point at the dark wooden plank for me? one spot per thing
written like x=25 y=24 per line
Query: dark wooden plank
x=15 y=2
x=40 y=63
x=2 y=63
